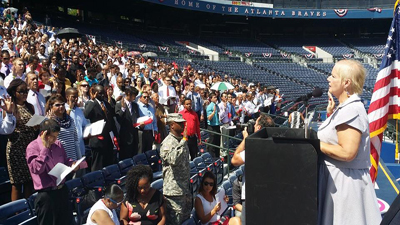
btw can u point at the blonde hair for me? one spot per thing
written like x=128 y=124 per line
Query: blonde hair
x=354 y=71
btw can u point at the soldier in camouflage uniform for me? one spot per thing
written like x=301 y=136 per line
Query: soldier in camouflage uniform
x=176 y=172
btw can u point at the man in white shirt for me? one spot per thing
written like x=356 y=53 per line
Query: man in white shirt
x=118 y=89
x=165 y=92
x=18 y=67
x=6 y=66
x=249 y=107
x=112 y=75
x=34 y=97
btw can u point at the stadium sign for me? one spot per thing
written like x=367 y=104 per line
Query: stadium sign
x=233 y=8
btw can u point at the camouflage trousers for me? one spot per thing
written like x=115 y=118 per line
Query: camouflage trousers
x=178 y=209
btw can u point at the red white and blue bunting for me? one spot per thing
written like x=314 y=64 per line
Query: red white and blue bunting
x=142 y=46
x=341 y=12
x=248 y=54
x=309 y=56
x=163 y=49
x=267 y=55
x=378 y=56
x=348 y=56
x=285 y=55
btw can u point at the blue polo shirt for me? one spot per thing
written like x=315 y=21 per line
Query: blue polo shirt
x=215 y=119
x=91 y=82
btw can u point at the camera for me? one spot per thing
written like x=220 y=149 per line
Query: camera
x=250 y=126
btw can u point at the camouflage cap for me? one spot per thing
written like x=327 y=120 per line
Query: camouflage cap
x=175 y=117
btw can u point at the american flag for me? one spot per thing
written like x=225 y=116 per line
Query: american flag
x=385 y=103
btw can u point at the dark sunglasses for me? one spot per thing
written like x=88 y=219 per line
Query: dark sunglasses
x=115 y=202
x=84 y=85
x=23 y=92
x=145 y=97
x=208 y=184
x=6 y=58
x=59 y=104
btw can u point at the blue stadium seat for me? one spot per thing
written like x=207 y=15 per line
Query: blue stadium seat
x=201 y=166
x=232 y=178
x=77 y=194
x=125 y=165
x=158 y=184
x=31 y=202
x=15 y=212
x=154 y=160
x=5 y=186
x=189 y=221
x=141 y=159
x=194 y=216
x=193 y=169
x=218 y=167
x=94 y=180
x=113 y=175
x=31 y=221
x=238 y=172
x=227 y=185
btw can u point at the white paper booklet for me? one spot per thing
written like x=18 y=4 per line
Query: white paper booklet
x=60 y=171
x=164 y=100
x=35 y=120
x=94 y=129
x=220 y=197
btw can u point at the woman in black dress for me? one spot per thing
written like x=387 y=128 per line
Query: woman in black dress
x=143 y=203
x=18 y=170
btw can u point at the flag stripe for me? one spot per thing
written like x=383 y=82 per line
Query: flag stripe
x=385 y=98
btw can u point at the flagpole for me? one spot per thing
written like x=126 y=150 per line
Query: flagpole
x=396 y=156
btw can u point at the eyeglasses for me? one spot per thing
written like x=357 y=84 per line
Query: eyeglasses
x=23 y=92
x=115 y=202
x=6 y=58
x=168 y=80
x=145 y=97
x=208 y=184
x=84 y=85
x=59 y=104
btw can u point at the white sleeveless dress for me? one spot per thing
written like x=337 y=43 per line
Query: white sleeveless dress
x=99 y=205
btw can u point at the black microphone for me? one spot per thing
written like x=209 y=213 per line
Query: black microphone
x=317 y=92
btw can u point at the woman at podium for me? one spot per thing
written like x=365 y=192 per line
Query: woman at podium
x=346 y=194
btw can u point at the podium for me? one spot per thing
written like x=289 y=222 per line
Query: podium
x=281 y=177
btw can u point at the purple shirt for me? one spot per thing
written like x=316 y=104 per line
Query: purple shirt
x=41 y=160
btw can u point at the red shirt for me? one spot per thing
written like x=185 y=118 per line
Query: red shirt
x=192 y=123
